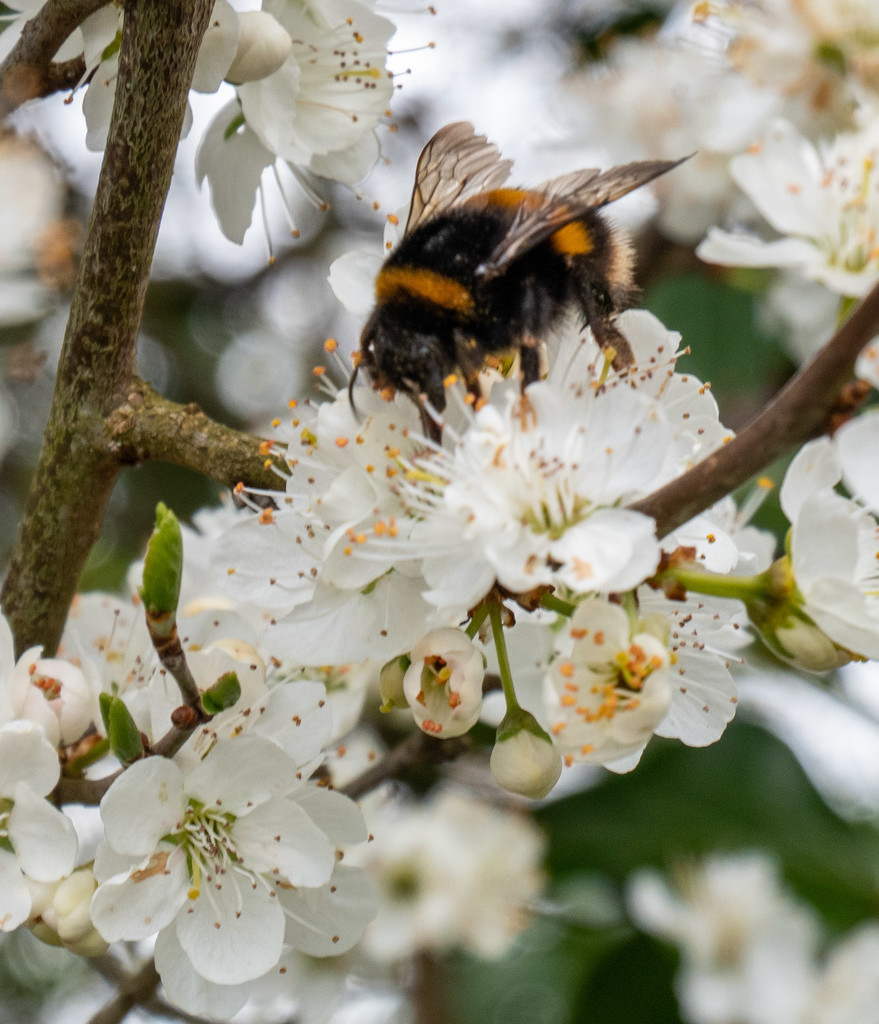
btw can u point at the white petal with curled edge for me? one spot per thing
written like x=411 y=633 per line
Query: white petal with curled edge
x=330 y=920
x=109 y=863
x=187 y=989
x=297 y=717
x=26 y=756
x=98 y=103
x=352 y=278
x=239 y=558
x=242 y=773
x=145 y=803
x=351 y=164
x=280 y=837
x=138 y=905
x=737 y=249
x=218 y=48
x=15 y=897
x=815 y=467
x=857 y=443
x=335 y=814
x=341 y=626
x=235 y=934
x=232 y=158
x=703 y=701
x=44 y=839
x=614 y=549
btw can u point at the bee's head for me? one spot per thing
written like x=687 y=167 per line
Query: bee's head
x=397 y=354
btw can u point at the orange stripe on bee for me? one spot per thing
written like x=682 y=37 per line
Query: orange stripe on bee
x=422 y=283
x=573 y=239
x=512 y=198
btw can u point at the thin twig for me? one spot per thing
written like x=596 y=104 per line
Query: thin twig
x=799 y=412
x=147 y=426
x=134 y=991
x=27 y=71
x=417 y=749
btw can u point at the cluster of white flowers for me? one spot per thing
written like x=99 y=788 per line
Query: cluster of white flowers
x=500 y=551
x=228 y=852
x=384 y=542
x=452 y=871
x=310 y=81
x=749 y=948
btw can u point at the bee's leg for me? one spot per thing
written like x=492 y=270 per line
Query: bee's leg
x=432 y=430
x=529 y=359
x=598 y=309
x=469 y=359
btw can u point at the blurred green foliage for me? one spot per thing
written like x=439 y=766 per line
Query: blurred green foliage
x=582 y=962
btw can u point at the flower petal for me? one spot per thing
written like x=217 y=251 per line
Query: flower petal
x=44 y=839
x=145 y=803
x=232 y=934
x=330 y=920
x=135 y=906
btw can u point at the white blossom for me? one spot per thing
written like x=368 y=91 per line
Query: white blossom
x=747 y=947
x=443 y=683
x=223 y=846
x=453 y=871
x=823 y=202
x=816 y=54
x=617 y=679
x=834 y=552
x=320 y=108
x=656 y=98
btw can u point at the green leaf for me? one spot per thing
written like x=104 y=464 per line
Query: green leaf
x=125 y=738
x=745 y=792
x=225 y=692
x=104 y=702
x=163 y=565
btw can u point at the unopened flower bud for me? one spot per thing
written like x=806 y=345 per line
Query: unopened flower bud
x=263 y=46
x=60 y=914
x=524 y=759
x=787 y=630
x=391 y=683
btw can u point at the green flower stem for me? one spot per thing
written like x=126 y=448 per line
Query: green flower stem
x=503 y=660
x=555 y=604
x=475 y=623
x=744 y=588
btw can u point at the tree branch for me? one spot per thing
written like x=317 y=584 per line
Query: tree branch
x=75 y=473
x=148 y=426
x=417 y=749
x=799 y=412
x=134 y=991
x=26 y=72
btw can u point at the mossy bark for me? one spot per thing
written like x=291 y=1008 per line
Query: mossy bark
x=76 y=471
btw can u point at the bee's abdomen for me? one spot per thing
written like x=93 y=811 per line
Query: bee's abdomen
x=401 y=284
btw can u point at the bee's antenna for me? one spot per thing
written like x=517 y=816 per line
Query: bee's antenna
x=351 y=381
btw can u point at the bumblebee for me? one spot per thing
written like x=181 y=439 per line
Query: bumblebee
x=483 y=268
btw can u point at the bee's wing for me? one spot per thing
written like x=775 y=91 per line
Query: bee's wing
x=565 y=199
x=454 y=166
